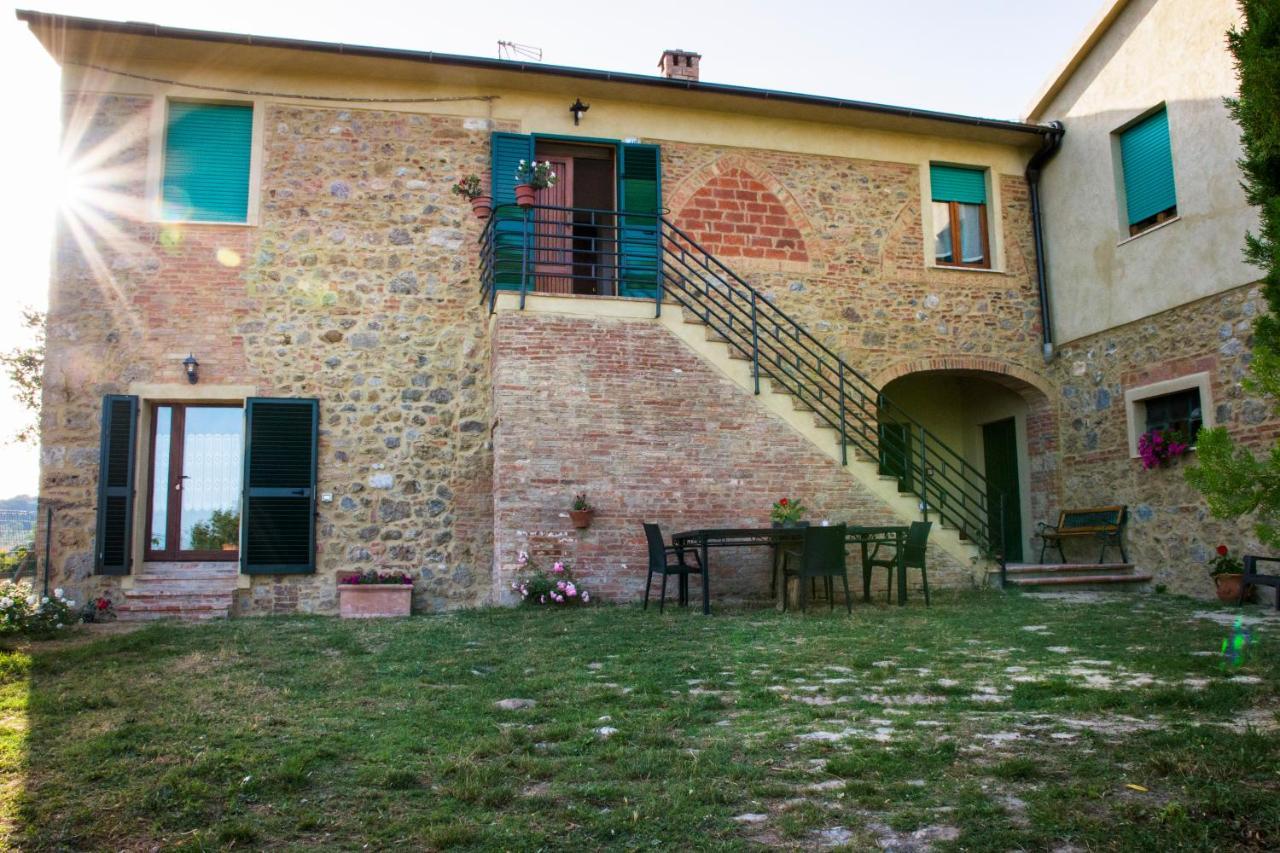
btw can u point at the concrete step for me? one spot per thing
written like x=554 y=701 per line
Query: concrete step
x=145 y=584
x=1052 y=570
x=156 y=573
x=1082 y=581
x=126 y=614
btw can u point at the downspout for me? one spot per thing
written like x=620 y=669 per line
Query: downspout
x=1049 y=146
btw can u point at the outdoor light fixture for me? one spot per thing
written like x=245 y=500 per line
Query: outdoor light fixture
x=578 y=109
x=191 y=366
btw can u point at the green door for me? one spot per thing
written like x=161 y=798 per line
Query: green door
x=1000 y=452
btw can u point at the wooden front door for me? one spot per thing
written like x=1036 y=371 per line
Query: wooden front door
x=553 y=235
x=1000 y=453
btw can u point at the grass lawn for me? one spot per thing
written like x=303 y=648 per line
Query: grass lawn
x=988 y=722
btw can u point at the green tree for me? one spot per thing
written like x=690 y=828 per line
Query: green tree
x=223 y=527
x=25 y=366
x=1233 y=480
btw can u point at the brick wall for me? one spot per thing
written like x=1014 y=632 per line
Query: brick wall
x=625 y=412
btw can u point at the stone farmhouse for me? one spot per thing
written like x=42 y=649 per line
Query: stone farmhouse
x=279 y=347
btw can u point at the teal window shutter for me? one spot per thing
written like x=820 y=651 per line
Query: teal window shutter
x=1147 y=162
x=278 y=532
x=113 y=552
x=956 y=183
x=639 y=192
x=206 y=162
x=507 y=150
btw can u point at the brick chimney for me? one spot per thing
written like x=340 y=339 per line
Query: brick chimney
x=680 y=65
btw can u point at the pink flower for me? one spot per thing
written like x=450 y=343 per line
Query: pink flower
x=570 y=590
x=585 y=596
x=542 y=599
x=523 y=558
x=558 y=567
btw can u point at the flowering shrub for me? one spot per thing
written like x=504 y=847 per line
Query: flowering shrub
x=555 y=587
x=23 y=611
x=98 y=609
x=369 y=576
x=535 y=174
x=1156 y=447
x=787 y=511
x=469 y=188
x=1225 y=563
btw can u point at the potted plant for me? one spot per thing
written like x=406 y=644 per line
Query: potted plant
x=581 y=511
x=1157 y=448
x=1228 y=574
x=787 y=513
x=532 y=176
x=471 y=189
x=370 y=594
x=557 y=587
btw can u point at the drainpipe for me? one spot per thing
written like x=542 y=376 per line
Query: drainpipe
x=1049 y=145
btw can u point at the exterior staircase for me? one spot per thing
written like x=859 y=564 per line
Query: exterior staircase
x=188 y=591
x=739 y=329
x=1037 y=577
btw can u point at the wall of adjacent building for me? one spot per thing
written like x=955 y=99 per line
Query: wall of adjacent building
x=1170 y=52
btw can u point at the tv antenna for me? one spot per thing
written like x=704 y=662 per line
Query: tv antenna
x=512 y=50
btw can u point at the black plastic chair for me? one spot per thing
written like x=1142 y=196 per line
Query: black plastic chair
x=660 y=563
x=1253 y=578
x=913 y=556
x=823 y=556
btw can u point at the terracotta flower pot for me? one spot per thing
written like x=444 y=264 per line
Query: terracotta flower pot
x=373 y=600
x=481 y=205
x=581 y=517
x=526 y=195
x=1229 y=586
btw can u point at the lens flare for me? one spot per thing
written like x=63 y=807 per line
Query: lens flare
x=228 y=257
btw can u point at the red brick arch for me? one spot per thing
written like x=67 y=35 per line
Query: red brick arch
x=1031 y=386
x=735 y=208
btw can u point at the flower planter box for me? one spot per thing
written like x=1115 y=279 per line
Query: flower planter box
x=371 y=601
x=526 y=195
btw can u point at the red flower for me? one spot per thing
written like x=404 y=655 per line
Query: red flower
x=1222 y=550
x=782 y=502
x=103 y=604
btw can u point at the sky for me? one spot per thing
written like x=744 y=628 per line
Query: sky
x=984 y=57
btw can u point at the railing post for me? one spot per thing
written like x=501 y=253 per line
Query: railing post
x=924 y=475
x=844 y=440
x=755 y=343
x=1003 y=549
x=524 y=257
x=657 y=266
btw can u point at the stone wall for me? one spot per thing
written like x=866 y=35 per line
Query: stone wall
x=1171 y=532
x=839 y=245
x=357 y=286
x=651 y=432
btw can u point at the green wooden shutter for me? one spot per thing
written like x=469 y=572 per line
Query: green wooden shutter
x=955 y=183
x=113 y=552
x=206 y=162
x=1147 y=162
x=278 y=534
x=508 y=149
x=639 y=192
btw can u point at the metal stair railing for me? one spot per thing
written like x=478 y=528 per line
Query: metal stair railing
x=547 y=246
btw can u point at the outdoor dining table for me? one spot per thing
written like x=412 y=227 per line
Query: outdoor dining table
x=704 y=539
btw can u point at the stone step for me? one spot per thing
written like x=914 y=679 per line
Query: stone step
x=1078 y=580
x=179 y=602
x=188 y=584
x=1056 y=569
x=126 y=614
x=231 y=571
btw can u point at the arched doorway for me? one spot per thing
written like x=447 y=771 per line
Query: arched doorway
x=999 y=423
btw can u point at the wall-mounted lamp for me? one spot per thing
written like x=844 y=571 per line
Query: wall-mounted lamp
x=578 y=109
x=192 y=367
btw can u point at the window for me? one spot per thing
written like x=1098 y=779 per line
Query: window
x=197 y=458
x=1178 y=412
x=1146 y=162
x=960 y=217
x=206 y=162
x=1184 y=404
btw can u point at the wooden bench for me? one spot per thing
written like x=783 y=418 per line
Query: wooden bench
x=1252 y=578
x=1099 y=522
